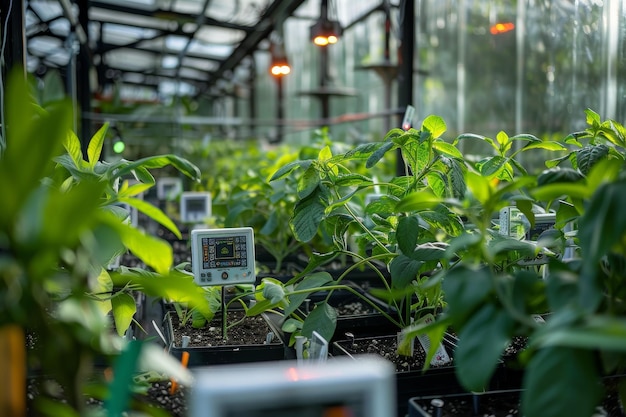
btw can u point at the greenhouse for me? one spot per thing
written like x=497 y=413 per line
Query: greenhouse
x=316 y=208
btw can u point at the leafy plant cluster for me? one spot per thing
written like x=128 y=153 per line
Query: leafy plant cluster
x=435 y=228
x=60 y=226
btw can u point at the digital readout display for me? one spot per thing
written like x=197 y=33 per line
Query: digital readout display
x=224 y=252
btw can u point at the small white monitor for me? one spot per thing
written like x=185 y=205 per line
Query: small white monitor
x=339 y=387
x=195 y=207
x=168 y=188
x=223 y=256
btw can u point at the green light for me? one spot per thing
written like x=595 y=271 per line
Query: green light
x=118 y=147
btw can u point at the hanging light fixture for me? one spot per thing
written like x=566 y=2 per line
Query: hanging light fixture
x=279 y=66
x=326 y=31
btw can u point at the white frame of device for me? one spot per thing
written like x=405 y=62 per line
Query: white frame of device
x=240 y=275
x=163 y=182
x=235 y=390
x=191 y=195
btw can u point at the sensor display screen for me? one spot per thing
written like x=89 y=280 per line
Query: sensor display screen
x=223 y=256
x=224 y=252
x=196 y=204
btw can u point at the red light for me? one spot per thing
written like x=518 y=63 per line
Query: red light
x=501 y=28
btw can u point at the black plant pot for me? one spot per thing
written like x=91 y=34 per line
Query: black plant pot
x=411 y=381
x=490 y=403
x=223 y=354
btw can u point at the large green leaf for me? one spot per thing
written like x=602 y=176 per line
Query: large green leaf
x=603 y=224
x=417 y=201
x=322 y=319
x=435 y=124
x=160 y=161
x=176 y=286
x=95 y=145
x=308 y=213
x=288 y=168
x=124 y=309
x=588 y=156
x=315 y=280
x=378 y=154
x=403 y=271
x=551 y=378
x=447 y=149
x=550 y=146
x=154 y=252
x=407 y=234
x=34 y=137
x=309 y=181
x=494 y=166
x=73 y=148
x=481 y=343
x=153 y=212
x=609 y=333
x=466 y=289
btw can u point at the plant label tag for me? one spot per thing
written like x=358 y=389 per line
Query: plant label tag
x=223 y=256
x=318 y=348
x=441 y=356
x=407 y=121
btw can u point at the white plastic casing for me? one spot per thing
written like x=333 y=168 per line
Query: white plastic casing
x=223 y=256
x=364 y=387
x=168 y=188
x=195 y=207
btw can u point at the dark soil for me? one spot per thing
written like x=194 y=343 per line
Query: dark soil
x=497 y=404
x=386 y=347
x=250 y=331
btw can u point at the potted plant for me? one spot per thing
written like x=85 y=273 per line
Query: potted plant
x=226 y=334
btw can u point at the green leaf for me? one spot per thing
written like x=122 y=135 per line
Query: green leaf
x=607 y=332
x=315 y=280
x=72 y=146
x=308 y=214
x=308 y=182
x=161 y=161
x=550 y=379
x=95 y=145
x=322 y=319
x=417 y=201
x=479 y=187
x=550 y=146
x=526 y=137
x=273 y=291
x=403 y=271
x=154 y=252
x=287 y=169
x=351 y=180
x=363 y=151
x=557 y=190
x=466 y=289
x=271 y=224
x=435 y=124
x=482 y=341
x=176 y=286
x=124 y=309
x=152 y=212
x=378 y=154
x=407 y=234
x=494 y=166
x=447 y=149
x=588 y=156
